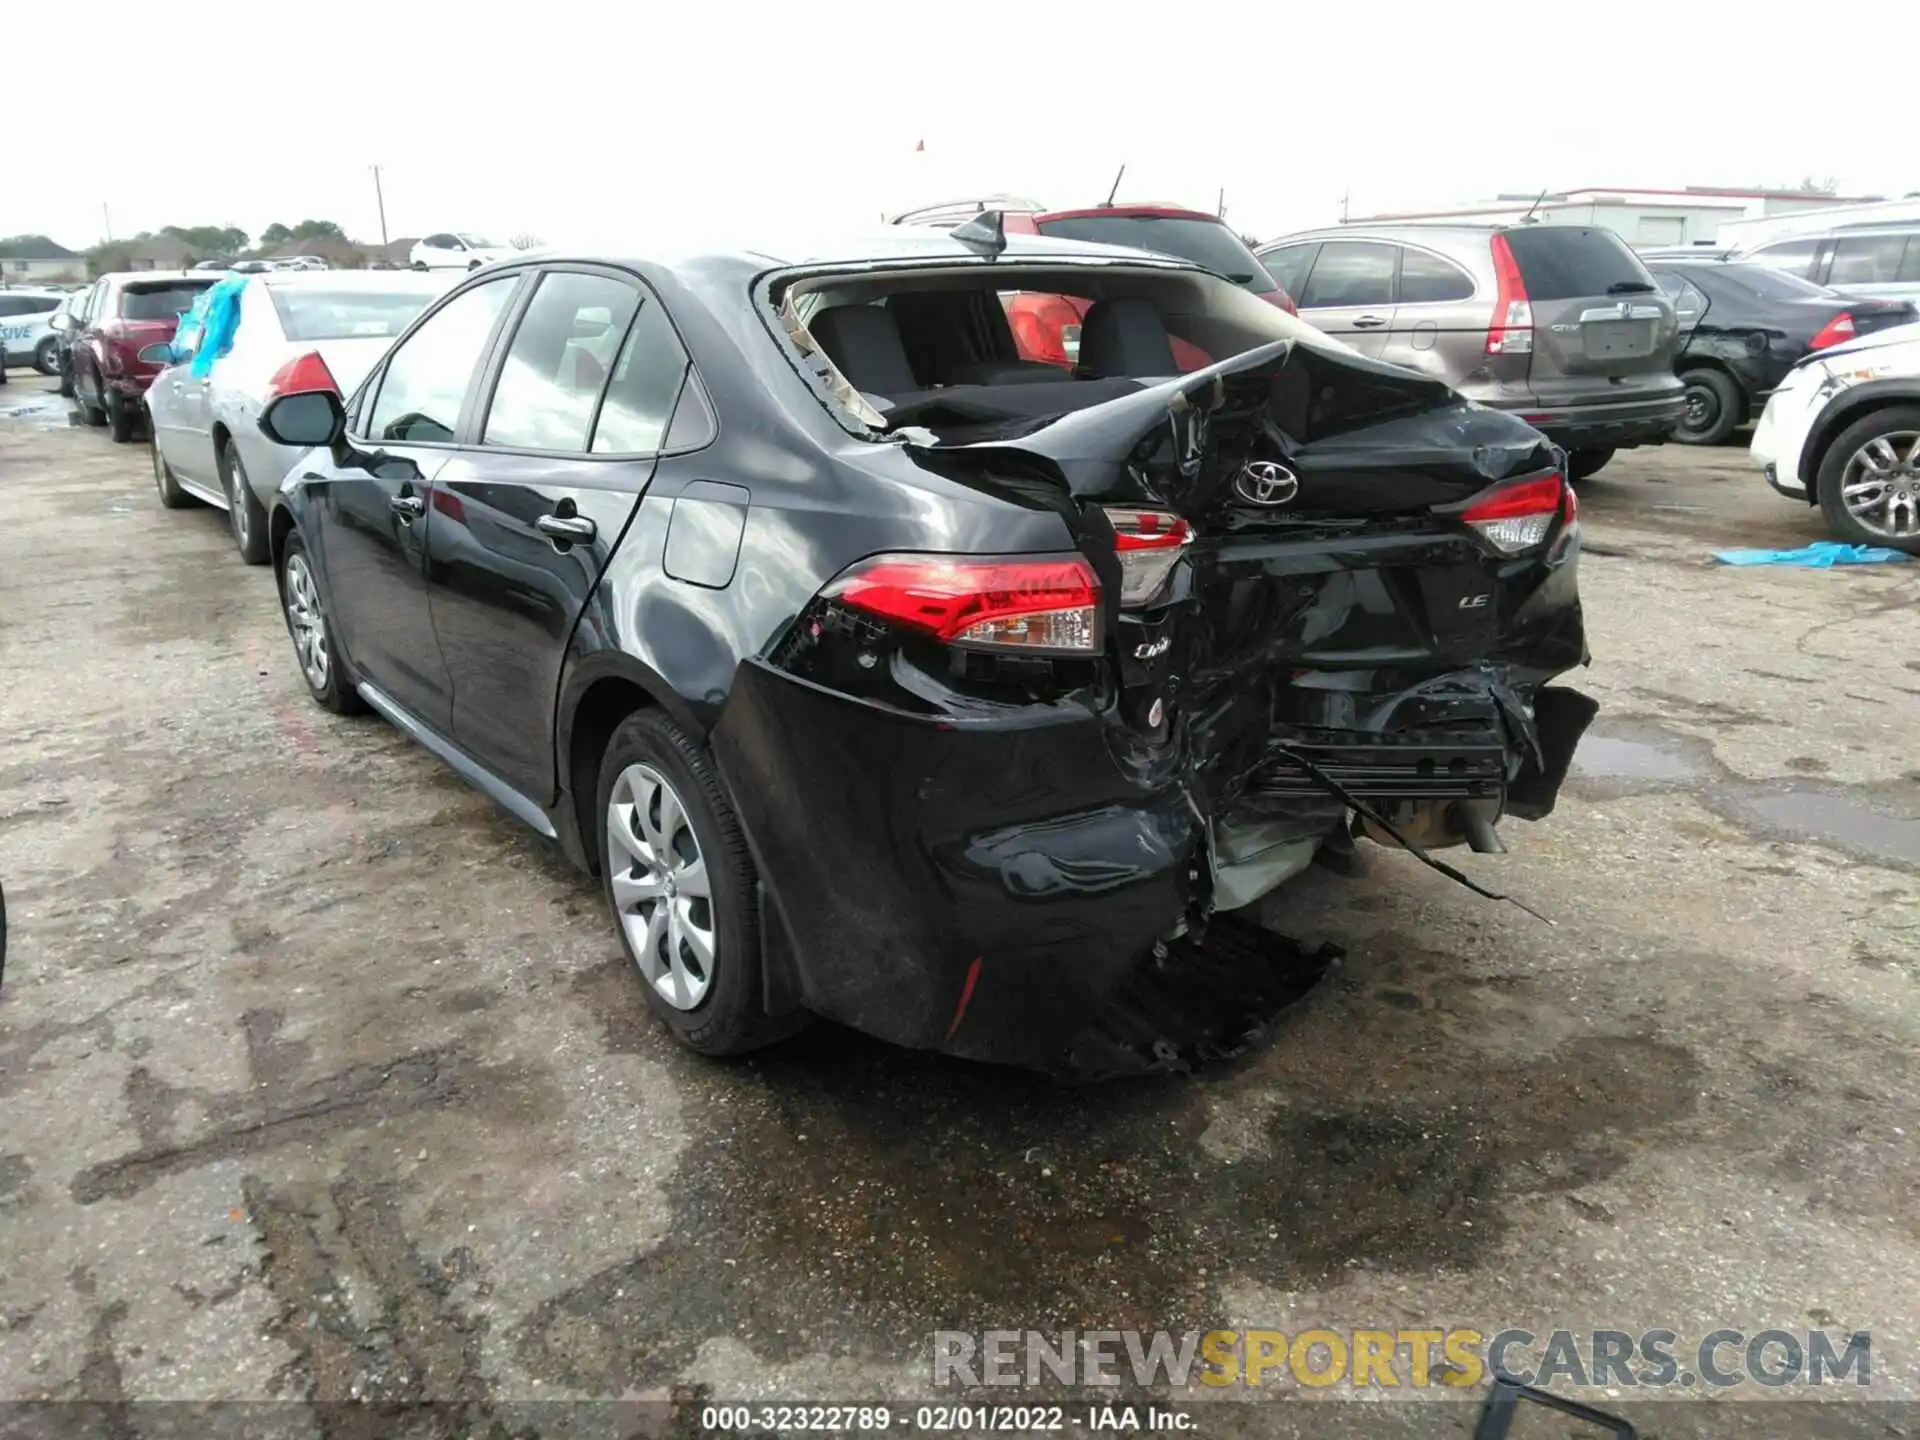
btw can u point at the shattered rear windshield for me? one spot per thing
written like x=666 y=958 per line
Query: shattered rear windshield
x=1205 y=242
x=160 y=302
x=890 y=348
x=347 y=314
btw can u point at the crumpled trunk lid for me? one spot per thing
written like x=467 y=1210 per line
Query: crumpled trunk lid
x=1332 y=604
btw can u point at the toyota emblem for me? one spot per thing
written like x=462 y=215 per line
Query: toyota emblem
x=1261 y=482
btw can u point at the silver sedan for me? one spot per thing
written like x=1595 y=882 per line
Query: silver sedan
x=207 y=444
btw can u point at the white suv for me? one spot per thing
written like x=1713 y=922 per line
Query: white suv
x=25 y=336
x=448 y=251
x=1843 y=432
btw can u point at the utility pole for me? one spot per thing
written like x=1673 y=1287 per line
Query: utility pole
x=381 y=200
x=108 y=220
x=1345 y=195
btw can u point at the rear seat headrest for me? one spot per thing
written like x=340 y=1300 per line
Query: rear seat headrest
x=1125 y=336
x=863 y=341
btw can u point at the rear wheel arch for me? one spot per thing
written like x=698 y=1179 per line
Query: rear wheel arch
x=617 y=687
x=279 y=527
x=1835 y=422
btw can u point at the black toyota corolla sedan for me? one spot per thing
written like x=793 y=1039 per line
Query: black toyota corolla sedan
x=883 y=675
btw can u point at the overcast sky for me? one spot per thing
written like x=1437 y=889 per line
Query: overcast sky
x=631 y=125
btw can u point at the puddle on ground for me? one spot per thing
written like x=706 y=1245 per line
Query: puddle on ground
x=1608 y=757
x=49 y=408
x=1838 y=820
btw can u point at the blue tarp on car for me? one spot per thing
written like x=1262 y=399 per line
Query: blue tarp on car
x=206 y=330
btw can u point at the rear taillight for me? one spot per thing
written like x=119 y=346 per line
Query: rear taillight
x=1512 y=330
x=1045 y=327
x=1839 y=328
x=1038 y=604
x=1149 y=543
x=303 y=375
x=1518 y=517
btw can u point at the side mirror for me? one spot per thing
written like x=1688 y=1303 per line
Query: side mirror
x=158 y=353
x=62 y=320
x=313 y=419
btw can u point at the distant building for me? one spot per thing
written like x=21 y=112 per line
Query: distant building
x=1692 y=216
x=36 y=260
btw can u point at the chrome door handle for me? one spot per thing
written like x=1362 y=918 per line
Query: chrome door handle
x=1368 y=322
x=567 y=529
x=408 y=507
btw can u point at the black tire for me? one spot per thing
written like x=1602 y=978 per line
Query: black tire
x=473 y=265
x=1582 y=463
x=1713 y=410
x=122 y=420
x=731 y=1018
x=91 y=412
x=245 y=514
x=66 y=380
x=46 y=356
x=1894 y=420
x=171 y=495
x=420 y=265
x=337 y=693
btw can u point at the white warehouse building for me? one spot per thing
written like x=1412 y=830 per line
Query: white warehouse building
x=1693 y=216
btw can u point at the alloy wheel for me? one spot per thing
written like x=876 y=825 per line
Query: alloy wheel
x=660 y=886
x=237 y=497
x=309 y=626
x=1881 y=485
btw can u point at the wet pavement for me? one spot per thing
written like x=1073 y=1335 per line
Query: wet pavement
x=319 y=1077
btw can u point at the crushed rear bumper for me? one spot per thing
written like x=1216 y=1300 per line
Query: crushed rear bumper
x=1004 y=888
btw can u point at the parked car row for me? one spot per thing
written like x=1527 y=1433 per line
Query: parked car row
x=876 y=669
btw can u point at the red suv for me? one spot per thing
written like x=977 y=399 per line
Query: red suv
x=1047 y=327
x=120 y=314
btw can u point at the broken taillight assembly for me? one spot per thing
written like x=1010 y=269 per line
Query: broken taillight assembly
x=1149 y=543
x=1512 y=330
x=1515 y=518
x=1035 y=604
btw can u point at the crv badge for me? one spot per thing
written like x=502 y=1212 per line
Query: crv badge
x=1261 y=482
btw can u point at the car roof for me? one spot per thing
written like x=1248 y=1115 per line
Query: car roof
x=162 y=277
x=335 y=280
x=1416 y=230
x=892 y=245
x=1151 y=210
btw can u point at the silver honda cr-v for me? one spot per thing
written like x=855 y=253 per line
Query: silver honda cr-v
x=1560 y=324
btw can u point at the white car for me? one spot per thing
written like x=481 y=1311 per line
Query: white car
x=207 y=443
x=1843 y=432
x=24 y=333
x=450 y=251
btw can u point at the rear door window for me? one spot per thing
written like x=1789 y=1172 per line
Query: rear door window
x=1793 y=256
x=426 y=379
x=1428 y=279
x=1205 y=242
x=1350 y=272
x=1289 y=265
x=1867 y=260
x=646 y=384
x=1568 y=262
x=557 y=365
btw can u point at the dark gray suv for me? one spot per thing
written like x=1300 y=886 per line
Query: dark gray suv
x=1560 y=324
